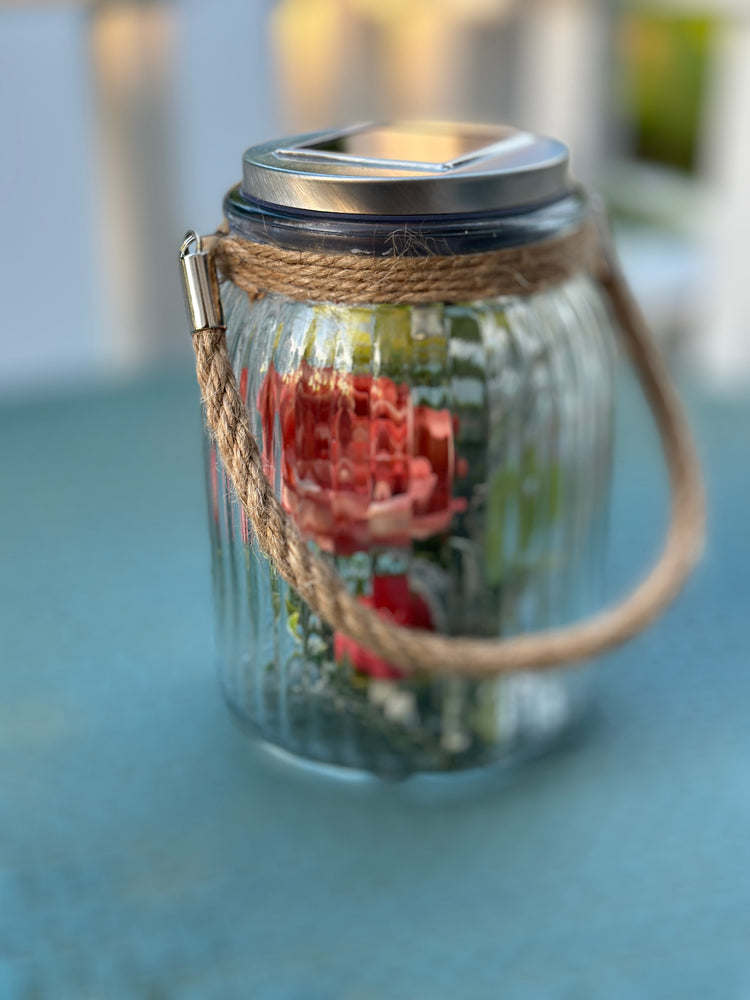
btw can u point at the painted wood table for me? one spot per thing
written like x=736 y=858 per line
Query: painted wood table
x=147 y=850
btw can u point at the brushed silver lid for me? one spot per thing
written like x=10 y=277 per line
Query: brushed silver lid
x=407 y=169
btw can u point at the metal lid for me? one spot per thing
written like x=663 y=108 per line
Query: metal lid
x=407 y=169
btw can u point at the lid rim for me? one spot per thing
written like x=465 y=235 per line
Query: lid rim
x=502 y=174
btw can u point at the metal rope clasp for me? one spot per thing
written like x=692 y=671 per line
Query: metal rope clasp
x=201 y=284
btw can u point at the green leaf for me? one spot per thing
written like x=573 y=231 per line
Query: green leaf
x=503 y=489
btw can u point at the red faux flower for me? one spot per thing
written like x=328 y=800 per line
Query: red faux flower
x=393 y=600
x=361 y=466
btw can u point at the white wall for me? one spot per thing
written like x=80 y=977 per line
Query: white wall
x=47 y=332
x=98 y=182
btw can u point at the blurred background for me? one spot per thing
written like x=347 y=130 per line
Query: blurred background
x=124 y=123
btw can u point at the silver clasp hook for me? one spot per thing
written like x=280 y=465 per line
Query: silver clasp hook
x=201 y=284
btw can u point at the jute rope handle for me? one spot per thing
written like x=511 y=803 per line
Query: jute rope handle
x=260 y=268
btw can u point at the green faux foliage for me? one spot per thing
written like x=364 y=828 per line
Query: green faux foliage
x=533 y=491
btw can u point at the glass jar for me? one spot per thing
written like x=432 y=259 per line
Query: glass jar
x=452 y=460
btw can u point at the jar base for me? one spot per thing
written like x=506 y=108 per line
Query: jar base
x=533 y=742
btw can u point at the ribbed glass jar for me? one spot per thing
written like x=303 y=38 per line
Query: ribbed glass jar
x=454 y=462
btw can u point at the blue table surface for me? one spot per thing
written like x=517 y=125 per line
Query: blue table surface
x=149 y=850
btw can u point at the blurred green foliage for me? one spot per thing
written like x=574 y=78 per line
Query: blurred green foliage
x=664 y=59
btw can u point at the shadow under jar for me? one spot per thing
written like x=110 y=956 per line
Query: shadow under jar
x=452 y=459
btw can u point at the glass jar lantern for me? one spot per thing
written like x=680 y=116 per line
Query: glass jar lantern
x=451 y=459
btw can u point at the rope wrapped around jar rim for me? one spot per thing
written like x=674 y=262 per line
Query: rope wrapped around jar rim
x=260 y=268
